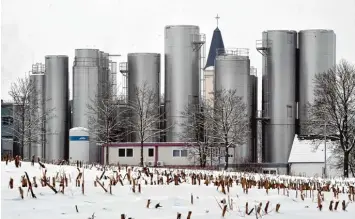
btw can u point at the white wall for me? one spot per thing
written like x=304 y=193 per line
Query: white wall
x=135 y=160
x=165 y=155
x=307 y=169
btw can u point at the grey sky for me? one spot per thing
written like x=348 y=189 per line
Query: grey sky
x=32 y=29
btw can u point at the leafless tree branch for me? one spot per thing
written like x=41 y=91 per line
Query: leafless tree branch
x=230 y=120
x=195 y=132
x=145 y=116
x=29 y=115
x=105 y=117
x=334 y=105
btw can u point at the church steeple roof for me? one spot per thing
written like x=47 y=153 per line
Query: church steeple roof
x=216 y=43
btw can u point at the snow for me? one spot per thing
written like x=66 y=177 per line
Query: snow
x=79 y=129
x=172 y=198
x=308 y=151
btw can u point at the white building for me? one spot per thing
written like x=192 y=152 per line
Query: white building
x=154 y=154
x=307 y=158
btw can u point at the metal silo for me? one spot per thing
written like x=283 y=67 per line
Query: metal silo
x=144 y=69
x=278 y=101
x=317 y=54
x=182 y=69
x=87 y=74
x=85 y=84
x=37 y=102
x=57 y=97
x=232 y=72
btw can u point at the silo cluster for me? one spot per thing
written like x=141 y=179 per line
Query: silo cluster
x=290 y=62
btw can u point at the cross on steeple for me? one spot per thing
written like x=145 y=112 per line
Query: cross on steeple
x=217 y=19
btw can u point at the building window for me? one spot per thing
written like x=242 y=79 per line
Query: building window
x=125 y=152
x=121 y=152
x=183 y=153
x=179 y=153
x=151 y=152
x=129 y=152
x=176 y=153
x=7 y=120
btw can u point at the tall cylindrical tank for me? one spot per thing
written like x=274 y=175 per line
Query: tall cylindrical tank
x=85 y=84
x=144 y=70
x=182 y=68
x=37 y=103
x=57 y=99
x=317 y=55
x=79 y=146
x=279 y=107
x=87 y=75
x=232 y=72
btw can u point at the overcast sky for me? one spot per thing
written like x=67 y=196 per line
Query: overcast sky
x=32 y=29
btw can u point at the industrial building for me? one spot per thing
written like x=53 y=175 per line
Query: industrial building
x=290 y=60
x=7 y=125
x=309 y=159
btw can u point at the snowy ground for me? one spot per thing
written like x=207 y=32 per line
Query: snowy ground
x=172 y=198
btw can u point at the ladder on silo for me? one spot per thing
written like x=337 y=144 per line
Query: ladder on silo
x=262 y=46
x=198 y=42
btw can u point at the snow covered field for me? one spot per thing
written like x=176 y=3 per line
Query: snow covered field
x=172 y=198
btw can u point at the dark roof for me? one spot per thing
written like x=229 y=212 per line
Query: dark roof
x=216 y=43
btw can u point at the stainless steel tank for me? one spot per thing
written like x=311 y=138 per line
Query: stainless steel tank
x=279 y=107
x=37 y=102
x=87 y=75
x=232 y=72
x=85 y=84
x=182 y=85
x=317 y=54
x=144 y=69
x=57 y=98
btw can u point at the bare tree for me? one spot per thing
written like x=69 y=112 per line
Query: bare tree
x=333 y=111
x=28 y=123
x=104 y=118
x=195 y=129
x=145 y=116
x=230 y=121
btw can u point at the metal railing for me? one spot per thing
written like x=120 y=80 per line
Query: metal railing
x=232 y=52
